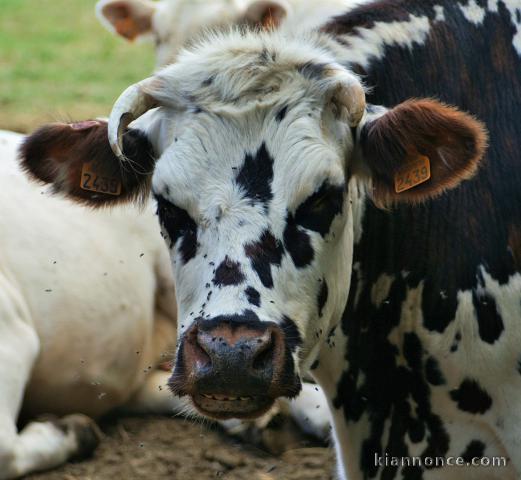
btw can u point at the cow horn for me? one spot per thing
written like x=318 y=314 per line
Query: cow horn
x=130 y=105
x=350 y=94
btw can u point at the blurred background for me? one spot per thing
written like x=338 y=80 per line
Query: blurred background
x=58 y=63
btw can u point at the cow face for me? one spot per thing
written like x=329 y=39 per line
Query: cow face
x=259 y=143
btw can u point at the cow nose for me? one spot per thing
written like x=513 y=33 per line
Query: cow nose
x=234 y=367
x=234 y=357
x=243 y=354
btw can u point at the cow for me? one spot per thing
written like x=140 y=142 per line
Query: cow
x=170 y=24
x=367 y=232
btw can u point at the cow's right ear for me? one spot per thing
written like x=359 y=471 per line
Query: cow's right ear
x=76 y=159
x=128 y=18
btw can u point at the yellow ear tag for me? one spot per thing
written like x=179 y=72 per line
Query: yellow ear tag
x=413 y=174
x=90 y=180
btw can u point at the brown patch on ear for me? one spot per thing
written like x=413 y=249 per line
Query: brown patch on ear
x=57 y=153
x=129 y=19
x=266 y=14
x=453 y=141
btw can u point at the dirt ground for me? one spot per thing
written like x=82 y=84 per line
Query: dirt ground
x=157 y=448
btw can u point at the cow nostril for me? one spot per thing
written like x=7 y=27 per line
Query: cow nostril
x=264 y=354
x=201 y=353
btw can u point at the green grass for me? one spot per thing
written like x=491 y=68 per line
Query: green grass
x=58 y=63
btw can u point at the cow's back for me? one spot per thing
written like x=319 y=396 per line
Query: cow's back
x=435 y=300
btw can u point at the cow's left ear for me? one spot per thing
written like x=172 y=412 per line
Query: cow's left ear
x=76 y=159
x=419 y=149
x=267 y=14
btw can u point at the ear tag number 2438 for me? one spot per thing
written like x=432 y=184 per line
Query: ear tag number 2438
x=415 y=173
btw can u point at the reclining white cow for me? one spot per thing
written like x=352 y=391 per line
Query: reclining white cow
x=86 y=316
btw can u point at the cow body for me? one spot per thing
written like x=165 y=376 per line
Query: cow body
x=284 y=263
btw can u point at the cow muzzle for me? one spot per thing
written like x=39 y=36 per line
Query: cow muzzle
x=234 y=369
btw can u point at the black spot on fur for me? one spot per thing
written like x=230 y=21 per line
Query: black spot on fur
x=228 y=273
x=256 y=175
x=489 y=320
x=312 y=71
x=475 y=449
x=298 y=244
x=253 y=296
x=433 y=372
x=314 y=365
x=293 y=339
x=281 y=114
x=264 y=253
x=471 y=398
x=322 y=297
x=317 y=212
x=178 y=225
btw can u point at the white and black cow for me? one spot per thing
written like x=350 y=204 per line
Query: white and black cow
x=269 y=159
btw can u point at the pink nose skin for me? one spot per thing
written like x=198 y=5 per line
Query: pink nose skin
x=233 y=367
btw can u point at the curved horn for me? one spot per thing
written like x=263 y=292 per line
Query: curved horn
x=130 y=105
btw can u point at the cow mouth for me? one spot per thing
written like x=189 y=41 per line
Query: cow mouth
x=224 y=407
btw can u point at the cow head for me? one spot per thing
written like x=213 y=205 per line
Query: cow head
x=171 y=23
x=252 y=146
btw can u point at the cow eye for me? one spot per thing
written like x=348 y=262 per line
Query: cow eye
x=175 y=220
x=317 y=212
x=320 y=200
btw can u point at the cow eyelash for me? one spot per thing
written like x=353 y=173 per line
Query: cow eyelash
x=176 y=217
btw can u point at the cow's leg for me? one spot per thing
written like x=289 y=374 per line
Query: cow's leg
x=310 y=411
x=40 y=445
x=154 y=396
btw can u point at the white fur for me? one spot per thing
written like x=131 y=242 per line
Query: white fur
x=369 y=44
x=473 y=12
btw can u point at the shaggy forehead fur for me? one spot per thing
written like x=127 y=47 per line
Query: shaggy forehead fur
x=229 y=71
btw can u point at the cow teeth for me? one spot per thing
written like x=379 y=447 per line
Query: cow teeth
x=245 y=398
x=207 y=396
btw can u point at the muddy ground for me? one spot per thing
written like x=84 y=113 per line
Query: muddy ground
x=157 y=448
